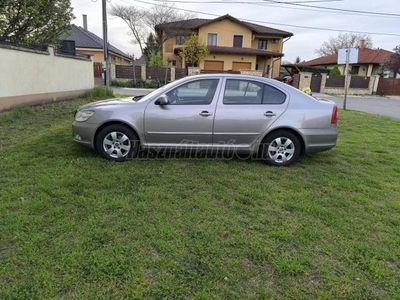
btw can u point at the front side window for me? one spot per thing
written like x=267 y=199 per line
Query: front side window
x=238 y=41
x=198 y=92
x=180 y=39
x=212 y=39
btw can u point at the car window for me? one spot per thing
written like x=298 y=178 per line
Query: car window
x=243 y=92
x=272 y=95
x=198 y=92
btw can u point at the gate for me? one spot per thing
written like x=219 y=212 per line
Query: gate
x=316 y=83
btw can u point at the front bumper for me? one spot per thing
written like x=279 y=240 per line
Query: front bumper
x=83 y=133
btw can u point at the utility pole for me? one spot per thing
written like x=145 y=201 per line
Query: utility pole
x=105 y=46
x=346 y=77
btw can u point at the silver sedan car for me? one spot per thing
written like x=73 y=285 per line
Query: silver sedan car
x=244 y=114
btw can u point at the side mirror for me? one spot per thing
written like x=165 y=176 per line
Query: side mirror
x=163 y=100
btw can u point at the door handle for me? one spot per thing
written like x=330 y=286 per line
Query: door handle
x=205 y=113
x=269 y=114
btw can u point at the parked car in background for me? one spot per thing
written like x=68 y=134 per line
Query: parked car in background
x=245 y=114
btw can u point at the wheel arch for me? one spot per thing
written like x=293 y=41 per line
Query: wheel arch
x=292 y=130
x=104 y=125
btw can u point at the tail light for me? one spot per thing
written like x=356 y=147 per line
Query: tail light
x=334 y=114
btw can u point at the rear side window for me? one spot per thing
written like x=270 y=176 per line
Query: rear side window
x=251 y=92
x=272 y=95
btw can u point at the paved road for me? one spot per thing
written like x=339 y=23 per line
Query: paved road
x=375 y=105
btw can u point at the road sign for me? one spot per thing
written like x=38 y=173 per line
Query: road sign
x=353 y=56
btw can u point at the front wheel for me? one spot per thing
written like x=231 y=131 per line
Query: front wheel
x=281 y=148
x=117 y=142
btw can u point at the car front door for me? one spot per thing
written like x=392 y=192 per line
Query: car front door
x=188 y=116
x=246 y=110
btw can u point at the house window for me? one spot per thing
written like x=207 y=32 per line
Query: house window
x=355 y=69
x=180 y=39
x=238 y=41
x=212 y=39
x=262 y=44
x=173 y=63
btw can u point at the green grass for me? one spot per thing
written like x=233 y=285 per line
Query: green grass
x=75 y=226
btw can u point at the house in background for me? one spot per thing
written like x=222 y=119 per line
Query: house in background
x=369 y=62
x=233 y=44
x=88 y=43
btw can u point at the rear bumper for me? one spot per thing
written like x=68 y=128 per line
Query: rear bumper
x=317 y=140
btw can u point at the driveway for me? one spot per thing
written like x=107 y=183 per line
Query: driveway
x=388 y=107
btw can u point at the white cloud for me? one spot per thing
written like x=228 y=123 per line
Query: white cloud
x=303 y=43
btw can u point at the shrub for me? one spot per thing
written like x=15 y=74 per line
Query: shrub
x=335 y=71
x=99 y=92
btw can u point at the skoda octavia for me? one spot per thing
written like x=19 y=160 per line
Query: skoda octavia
x=246 y=114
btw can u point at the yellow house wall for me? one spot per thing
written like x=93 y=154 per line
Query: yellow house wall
x=225 y=30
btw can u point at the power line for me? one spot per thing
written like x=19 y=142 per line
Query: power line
x=335 y=9
x=295 y=4
x=279 y=24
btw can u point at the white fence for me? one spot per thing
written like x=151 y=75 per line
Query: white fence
x=32 y=77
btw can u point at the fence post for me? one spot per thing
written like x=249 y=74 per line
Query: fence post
x=112 y=71
x=324 y=76
x=305 y=80
x=143 y=72
x=375 y=85
x=173 y=71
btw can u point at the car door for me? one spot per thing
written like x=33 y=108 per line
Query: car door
x=246 y=110
x=187 y=118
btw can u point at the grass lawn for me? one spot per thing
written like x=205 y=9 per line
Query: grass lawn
x=76 y=226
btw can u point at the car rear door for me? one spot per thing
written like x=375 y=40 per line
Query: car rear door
x=245 y=110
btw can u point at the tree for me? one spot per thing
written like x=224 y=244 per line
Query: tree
x=343 y=41
x=155 y=60
x=142 y=22
x=35 y=21
x=152 y=46
x=194 y=50
x=394 y=61
x=133 y=17
x=298 y=60
x=335 y=71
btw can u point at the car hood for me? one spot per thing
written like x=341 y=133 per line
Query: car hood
x=108 y=102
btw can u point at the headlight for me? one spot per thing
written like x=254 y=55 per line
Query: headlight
x=83 y=115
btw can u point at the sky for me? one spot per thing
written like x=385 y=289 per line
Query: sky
x=382 y=23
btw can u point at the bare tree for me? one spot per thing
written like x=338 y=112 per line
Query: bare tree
x=394 y=62
x=343 y=41
x=165 y=12
x=143 y=22
x=134 y=18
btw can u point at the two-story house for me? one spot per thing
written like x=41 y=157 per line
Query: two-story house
x=233 y=44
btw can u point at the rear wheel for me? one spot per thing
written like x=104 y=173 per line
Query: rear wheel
x=281 y=148
x=117 y=142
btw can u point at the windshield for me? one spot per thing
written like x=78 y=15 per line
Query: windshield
x=160 y=90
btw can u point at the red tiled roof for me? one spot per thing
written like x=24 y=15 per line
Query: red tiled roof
x=365 y=56
x=197 y=23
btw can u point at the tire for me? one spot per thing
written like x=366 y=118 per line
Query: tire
x=117 y=142
x=280 y=148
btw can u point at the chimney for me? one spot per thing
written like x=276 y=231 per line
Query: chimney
x=361 y=44
x=84 y=22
